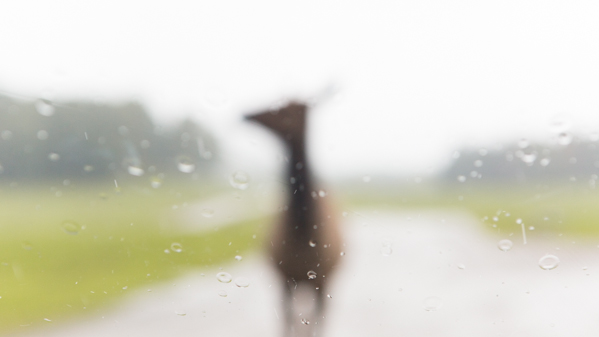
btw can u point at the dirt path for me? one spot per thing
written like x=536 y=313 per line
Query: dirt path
x=441 y=261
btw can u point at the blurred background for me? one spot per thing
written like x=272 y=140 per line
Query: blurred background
x=459 y=140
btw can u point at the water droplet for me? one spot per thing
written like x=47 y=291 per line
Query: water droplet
x=155 y=182
x=342 y=253
x=42 y=135
x=564 y=138
x=312 y=275
x=329 y=296
x=531 y=228
x=224 y=277
x=432 y=303
x=386 y=250
x=240 y=180
x=545 y=161
x=185 y=164
x=322 y=193
x=478 y=163
x=505 y=245
x=461 y=266
x=47 y=320
x=222 y=293
x=26 y=245
x=548 y=262
x=71 y=227
x=135 y=171
x=238 y=257
x=529 y=158
x=167 y=251
x=88 y=168
x=54 y=156
x=44 y=107
x=559 y=124
x=305 y=321
x=207 y=213
x=312 y=243
x=176 y=247
x=461 y=179
x=179 y=313
x=518 y=221
x=242 y=282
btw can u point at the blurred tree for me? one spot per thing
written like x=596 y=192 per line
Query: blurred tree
x=83 y=139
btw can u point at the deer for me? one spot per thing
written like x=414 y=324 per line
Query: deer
x=306 y=242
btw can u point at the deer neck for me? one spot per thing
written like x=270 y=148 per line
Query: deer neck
x=302 y=205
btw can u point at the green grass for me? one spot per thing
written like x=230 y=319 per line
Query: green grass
x=68 y=250
x=562 y=208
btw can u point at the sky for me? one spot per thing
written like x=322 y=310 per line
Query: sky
x=412 y=80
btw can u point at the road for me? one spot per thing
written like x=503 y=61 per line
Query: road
x=430 y=274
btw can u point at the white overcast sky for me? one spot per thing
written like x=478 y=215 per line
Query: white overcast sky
x=416 y=79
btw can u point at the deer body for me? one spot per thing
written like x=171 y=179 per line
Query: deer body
x=306 y=241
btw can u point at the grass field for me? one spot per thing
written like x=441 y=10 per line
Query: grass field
x=66 y=250
x=559 y=208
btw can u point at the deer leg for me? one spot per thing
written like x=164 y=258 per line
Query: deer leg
x=287 y=301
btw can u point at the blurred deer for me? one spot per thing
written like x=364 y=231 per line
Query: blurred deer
x=306 y=241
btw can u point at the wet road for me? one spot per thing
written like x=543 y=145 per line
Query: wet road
x=396 y=266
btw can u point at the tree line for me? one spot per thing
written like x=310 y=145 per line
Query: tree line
x=571 y=159
x=44 y=139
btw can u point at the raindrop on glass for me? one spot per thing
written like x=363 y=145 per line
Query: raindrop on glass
x=54 y=156
x=155 y=182
x=239 y=180
x=564 y=138
x=548 y=262
x=242 y=282
x=312 y=275
x=88 y=168
x=545 y=161
x=185 y=165
x=461 y=266
x=178 y=313
x=529 y=158
x=432 y=303
x=44 y=107
x=176 y=247
x=222 y=293
x=461 y=179
x=238 y=257
x=559 y=124
x=386 y=250
x=224 y=277
x=322 y=193
x=42 y=135
x=207 y=213
x=312 y=243
x=342 y=253
x=505 y=245
x=71 y=227
x=305 y=321
x=135 y=171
